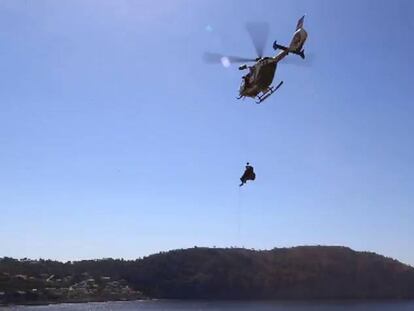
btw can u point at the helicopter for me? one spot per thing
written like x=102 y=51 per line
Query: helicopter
x=256 y=83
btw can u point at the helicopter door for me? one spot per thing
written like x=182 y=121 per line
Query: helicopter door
x=252 y=74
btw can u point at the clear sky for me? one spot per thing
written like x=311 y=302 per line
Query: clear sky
x=117 y=140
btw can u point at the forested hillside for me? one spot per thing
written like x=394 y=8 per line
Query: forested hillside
x=307 y=272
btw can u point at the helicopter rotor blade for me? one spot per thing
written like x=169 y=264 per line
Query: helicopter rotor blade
x=216 y=58
x=259 y=33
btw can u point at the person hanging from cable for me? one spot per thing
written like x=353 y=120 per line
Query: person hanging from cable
x=248 y=174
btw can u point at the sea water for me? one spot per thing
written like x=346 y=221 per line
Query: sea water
x=177 y=305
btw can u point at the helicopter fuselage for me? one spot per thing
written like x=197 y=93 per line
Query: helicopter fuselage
x=260 y=76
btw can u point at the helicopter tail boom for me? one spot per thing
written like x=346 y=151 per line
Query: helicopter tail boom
x=297 y=42
x=301 y=53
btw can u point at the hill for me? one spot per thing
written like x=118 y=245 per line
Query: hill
x=313 y=272
x=306 y=272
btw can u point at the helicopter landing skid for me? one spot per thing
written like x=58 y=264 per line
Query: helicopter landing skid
x=269 y=92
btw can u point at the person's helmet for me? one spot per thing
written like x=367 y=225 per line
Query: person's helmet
x=247 y=163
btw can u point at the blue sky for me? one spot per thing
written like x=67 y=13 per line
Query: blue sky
x=117 y=140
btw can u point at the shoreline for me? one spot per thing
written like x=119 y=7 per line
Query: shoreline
x=280 y=301
x=78 y=301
